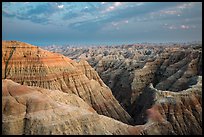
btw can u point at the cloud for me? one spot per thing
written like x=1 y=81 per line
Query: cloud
x=7 y=14
x=117 y=4
x=45 y=8
x=37 y=14
x=185 y=27
x=177 y=10
x=117 y=15
x=178 y=27
x=112 y=7
x=186 y=5
x=89 y=9
x=172 y=27
x=71 y=15
x=140 y=3
x=60 y=6
x=111 y=17
x=170 y=12
x=131 y=10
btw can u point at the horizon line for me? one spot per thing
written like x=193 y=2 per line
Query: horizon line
x=105 y=43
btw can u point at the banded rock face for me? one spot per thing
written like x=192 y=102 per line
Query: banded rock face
x=172 y=71
x=30 y=65
x=36 y=111
x=89 y=71
x=129 y=69
x=183 y=109
x=169 y=69
x=30 y=110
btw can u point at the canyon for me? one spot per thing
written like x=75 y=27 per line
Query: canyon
x=127 y=89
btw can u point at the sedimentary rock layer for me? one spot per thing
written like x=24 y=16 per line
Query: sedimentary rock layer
x=129 y=69
x=73 y=95
x=183 y=109
x=37 y=111
x=30 y=65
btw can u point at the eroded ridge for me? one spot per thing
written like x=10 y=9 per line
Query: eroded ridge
x=36 y=111
x=33 y=66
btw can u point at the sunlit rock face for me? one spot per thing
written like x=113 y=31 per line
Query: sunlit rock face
x=30 y=65
x=31 y=110
x=37 y=111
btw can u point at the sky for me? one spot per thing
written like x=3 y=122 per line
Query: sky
x=101 y=23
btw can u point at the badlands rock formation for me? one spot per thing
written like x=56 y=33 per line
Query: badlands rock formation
x=33 y=111
x=129 y=69
x=182 y=109
x=30 y=65
x=47 y=93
